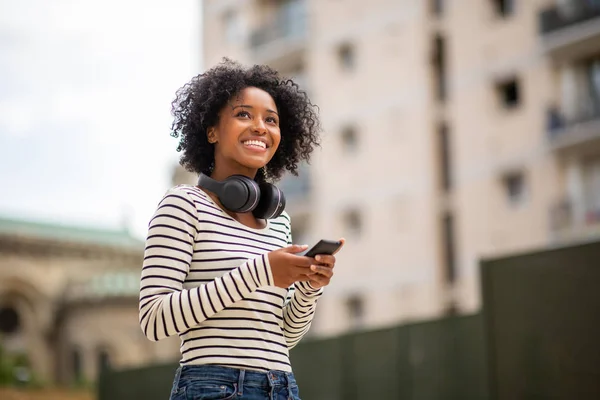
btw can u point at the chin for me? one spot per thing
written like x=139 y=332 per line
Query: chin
x=255 y=163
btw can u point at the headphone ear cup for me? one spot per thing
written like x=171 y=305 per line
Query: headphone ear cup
x=239 y=194
x=271 y=203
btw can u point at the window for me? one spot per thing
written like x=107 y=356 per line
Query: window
x=444 y=157
x=356 y=310
x=448 y=248
x=352 y=222
x=9 y=321
x=346 y=56
x=439 y=68
x=509 y=93
x=504 y=8
x=349 y=139
x=592 y=84
x=232 y=27
x=591 y=189
x=436 y=7
x=514 y=186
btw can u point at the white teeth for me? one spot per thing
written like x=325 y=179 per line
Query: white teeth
x=257 y=143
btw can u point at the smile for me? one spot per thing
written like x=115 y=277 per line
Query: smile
x=255 y=144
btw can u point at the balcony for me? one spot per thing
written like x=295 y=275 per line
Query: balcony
x=571 y=30
x=583 y=129
x=281 y=40
x=567 y=224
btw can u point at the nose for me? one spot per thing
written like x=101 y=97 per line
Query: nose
x=259 y=127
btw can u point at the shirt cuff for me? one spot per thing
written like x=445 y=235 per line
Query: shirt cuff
x=307 y=290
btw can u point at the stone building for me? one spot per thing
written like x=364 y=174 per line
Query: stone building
x=453 y=131
x=69 y=300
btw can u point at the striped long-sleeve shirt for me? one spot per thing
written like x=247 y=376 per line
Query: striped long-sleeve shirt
x=206 y=277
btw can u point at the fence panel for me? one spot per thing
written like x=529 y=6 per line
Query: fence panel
x=376 y=365
x=148 y=383
x=542 y=323
x=322 y=368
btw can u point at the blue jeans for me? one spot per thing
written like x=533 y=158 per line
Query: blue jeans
x=211 y=382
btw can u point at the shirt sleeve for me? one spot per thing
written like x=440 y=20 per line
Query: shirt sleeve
x=299 y=310
x=165 y=307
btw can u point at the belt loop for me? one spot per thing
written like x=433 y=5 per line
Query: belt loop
x=271 y=379
x=240 y=388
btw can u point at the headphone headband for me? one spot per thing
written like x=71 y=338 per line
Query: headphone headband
x=209 y=183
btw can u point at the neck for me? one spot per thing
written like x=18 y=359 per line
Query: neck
x=220 y=174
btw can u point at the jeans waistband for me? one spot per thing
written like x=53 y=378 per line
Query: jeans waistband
x=226 y=374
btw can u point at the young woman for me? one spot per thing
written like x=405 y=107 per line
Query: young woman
x=220 y=269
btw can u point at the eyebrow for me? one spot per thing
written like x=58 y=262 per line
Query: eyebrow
x=249 y=106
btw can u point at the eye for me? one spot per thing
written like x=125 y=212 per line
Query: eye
x=244 y=114
x=272 y=120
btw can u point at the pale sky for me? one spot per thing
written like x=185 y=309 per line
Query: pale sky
x=85 y=95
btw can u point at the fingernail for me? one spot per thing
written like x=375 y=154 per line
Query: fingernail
x=313 y=267
x=318 y=258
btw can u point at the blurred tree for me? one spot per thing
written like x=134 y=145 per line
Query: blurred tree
x=15 y=370
x=6 y=377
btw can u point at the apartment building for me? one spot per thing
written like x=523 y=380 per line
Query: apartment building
x=453 y=131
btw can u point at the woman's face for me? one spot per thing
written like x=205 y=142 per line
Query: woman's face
x=247 y=134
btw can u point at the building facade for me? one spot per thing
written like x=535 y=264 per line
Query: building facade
x=69 y=301
x=453 y=131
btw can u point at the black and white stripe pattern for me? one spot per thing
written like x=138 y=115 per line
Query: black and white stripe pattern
x=207 y=278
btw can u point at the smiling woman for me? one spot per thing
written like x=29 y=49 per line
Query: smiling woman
x=201 y=103
x=220 y=269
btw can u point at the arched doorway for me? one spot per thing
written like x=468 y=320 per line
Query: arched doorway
x=23 y=330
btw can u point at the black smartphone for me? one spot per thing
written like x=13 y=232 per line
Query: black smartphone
x=324 y=246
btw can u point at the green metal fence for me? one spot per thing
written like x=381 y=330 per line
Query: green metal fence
x=147 y=383
x=542 y=324
x=441 y=359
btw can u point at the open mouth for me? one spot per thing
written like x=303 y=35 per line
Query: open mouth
x=257 y=144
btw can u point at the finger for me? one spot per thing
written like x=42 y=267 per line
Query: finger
x=297 y=271
x=322 y=270
x=301 y=261
x=295 y=248
x=326 y=259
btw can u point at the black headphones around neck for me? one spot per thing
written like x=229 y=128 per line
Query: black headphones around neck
x=238 y=193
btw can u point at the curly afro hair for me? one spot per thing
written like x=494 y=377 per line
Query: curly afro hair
x=198 y=103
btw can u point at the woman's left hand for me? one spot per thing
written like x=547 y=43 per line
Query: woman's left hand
x=323 y=270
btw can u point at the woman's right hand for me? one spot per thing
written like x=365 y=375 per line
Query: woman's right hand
x=287 y=267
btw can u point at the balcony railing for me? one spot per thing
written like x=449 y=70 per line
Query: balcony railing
x=565 y=223
x=575 y=12
x=584 y=125
x=289 y=23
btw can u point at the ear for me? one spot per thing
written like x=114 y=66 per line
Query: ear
x=211 y=134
